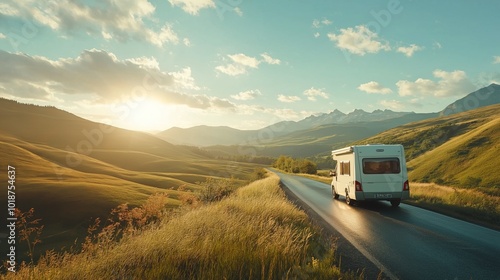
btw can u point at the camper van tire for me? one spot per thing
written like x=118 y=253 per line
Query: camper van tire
x=348 y=200
x=395 y=202
x=334 y=193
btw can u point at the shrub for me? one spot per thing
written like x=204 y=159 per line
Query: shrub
x=216 y=189
x=291 y=165
x=258 y=173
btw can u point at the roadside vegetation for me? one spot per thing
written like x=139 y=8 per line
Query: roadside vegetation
x=292 y=165
x=252 y=232
x=479 y=205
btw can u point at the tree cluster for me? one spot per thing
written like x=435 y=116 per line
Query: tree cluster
x=292 y=165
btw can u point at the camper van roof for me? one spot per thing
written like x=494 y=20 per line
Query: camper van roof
x=350 y=149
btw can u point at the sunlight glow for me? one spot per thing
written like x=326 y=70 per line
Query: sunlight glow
x=150 y=115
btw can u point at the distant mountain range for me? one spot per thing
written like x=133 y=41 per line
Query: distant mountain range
x=203 y=136
x=316 y=133
x=338 y=117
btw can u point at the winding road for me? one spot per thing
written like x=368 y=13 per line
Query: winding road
x=405 y=242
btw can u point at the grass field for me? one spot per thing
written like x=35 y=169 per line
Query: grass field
x=479 y=205
x=254 y=234
x=67 y=197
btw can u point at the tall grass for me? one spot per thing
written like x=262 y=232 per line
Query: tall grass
x=481 y=205
x=255 y=233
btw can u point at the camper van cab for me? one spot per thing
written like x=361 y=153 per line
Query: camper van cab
x=370 y=172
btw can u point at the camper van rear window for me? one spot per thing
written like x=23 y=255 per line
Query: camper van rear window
x=381 y=166
x=345 y=168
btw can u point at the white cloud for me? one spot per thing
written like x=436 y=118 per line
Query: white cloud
x=269 y=60
x=238 y=11
x=319 y=23
x=165 y=35
x=184 y=79
x=231 y=69
x=286 y=114
x=313 y=93
x=193 y=6
x=242 y=62
x=496 y=60
x=316 y=23
x=245 y=60
x=374 y=87
x=437 y=45
x=106 y=18
x=288 y=98
x=392 y=104
x=186 y=42
x=326 y=22
x=453 y=83
x=2 y=36
x=358 y=40
x=100 y=76
x=409 y=51
x=316 y=35
x=247 y=95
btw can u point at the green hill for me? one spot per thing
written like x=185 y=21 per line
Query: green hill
x=469 y=160
x=71 y=170
x=459 y=149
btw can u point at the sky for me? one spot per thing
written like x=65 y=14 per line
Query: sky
x=152 y=65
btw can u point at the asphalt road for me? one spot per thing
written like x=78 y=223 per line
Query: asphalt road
x=405 y=242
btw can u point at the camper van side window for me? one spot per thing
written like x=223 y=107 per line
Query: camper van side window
x=345 y=168
x=381 y=166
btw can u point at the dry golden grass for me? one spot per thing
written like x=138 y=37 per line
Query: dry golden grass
x=254 y=234
x=480 y=205
x=67 y=197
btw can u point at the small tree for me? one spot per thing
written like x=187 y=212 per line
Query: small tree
x=307 y=166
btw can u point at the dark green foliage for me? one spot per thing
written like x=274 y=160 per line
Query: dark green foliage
x=291 y=165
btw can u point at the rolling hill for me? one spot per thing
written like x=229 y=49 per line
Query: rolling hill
x=71 y=170
x=460 y=149
x=60 y=129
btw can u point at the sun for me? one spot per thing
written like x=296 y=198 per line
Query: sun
x=149 y=115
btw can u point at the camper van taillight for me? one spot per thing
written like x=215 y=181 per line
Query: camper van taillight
x=358 y=186
x=406 y=186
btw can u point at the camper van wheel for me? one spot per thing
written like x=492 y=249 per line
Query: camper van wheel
x=395 y=203
x=348 y=200
x=334 y=193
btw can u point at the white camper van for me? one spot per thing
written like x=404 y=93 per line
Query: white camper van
x=370 y=172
